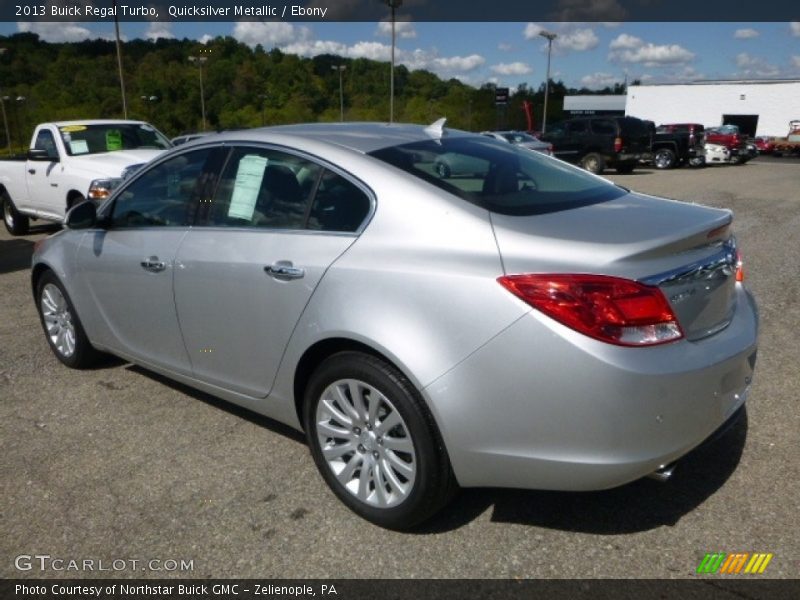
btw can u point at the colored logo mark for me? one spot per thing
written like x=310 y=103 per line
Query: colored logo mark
x=735 y=563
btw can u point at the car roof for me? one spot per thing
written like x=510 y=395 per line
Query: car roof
x=98 y=122
x=362 y=137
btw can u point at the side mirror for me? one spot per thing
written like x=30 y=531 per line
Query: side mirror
x=40 y=154
x=81 y=216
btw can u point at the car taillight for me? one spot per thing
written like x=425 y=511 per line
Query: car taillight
x=618 y=144
x=739 y=267
x=610 y=309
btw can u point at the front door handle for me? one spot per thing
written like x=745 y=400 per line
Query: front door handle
x=153 y=264
x=32 y=171
x=284 y=270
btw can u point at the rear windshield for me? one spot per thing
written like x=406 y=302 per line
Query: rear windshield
x=499 y=177
x=633 y=127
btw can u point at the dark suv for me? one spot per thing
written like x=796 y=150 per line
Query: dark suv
x=599 y=142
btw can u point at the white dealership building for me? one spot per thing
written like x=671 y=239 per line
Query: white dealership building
x=758 y=107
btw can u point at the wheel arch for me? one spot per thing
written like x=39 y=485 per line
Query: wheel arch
x=72 y=196
x=318 y=352
x=37 y=271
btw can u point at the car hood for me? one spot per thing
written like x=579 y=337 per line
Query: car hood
x=111 y=164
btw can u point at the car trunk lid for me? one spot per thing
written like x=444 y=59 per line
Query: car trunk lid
x=686 y=250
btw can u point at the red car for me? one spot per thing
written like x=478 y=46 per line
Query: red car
x=765 y=145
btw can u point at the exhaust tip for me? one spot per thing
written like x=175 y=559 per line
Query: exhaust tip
x=663 y=473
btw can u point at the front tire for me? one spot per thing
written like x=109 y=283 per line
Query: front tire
x=594 y=163
x=64 y=331
x=16 y=224
x=375 y=442
x=442 y=170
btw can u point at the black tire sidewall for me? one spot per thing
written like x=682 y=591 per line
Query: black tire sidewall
x=20 y=221
x=431 y=480
x=667 y=152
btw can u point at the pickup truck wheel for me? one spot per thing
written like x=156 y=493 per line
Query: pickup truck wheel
x=593 y=163
x=664 y=158
x=15 y=223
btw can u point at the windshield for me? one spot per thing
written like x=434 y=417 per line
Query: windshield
x=500 y=177
x=110 y=137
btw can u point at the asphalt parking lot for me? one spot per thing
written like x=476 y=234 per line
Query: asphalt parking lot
x=118 y=463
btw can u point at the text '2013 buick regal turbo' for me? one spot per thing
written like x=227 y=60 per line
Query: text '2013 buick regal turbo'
x=522 y=323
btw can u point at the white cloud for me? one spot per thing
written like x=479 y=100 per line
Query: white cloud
x=402 y=29
x=746 y=34
x=796 y=61
x=578 y=40
x=205 y=38
x=795 y=27
x=532 y=31
x=269 y=34
x=599 y=80
x=623 y=40
x=505 y=47
x=631 y=49
x=159 y=29
x=458 y=63
x=515 y=68
x=57 y=32
x=753 y=66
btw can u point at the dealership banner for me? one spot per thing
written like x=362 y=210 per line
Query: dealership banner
x=394 y=589
x=408 y=10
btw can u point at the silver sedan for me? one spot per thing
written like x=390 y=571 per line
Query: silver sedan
x=527 y=324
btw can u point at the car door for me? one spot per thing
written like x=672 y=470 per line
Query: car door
x=244 y=276
x=128 y=266
x=44 y=177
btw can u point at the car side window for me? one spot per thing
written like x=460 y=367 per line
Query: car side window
x=577 y=127
x=263 y=188
x=164 y=196
x=46 y=141
x=603 y=127
x=339 y=205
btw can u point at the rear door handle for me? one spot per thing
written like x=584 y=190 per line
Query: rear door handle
x=153 y=264
x=284 y=270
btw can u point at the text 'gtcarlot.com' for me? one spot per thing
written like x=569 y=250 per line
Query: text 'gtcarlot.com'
x=45 y=562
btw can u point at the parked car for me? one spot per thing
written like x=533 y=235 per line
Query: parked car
x=737 y=143
x=70 y=161
x=453 y=164
x=522 y=139
x=676 y=144
x=188 y=137
x=531 y=326
x=595 y=143
x=764 y=145
x=717 y=154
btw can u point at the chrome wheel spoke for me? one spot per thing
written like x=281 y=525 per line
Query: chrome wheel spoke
x=399 y=444
x=352 y=421
x=335 y=451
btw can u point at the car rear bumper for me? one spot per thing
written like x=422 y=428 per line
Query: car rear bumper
x=541 y=406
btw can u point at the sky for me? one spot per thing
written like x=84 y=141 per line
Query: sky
x=508 y=54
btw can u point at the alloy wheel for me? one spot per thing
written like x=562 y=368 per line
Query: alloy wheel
x=58 y=320
x=366 y=443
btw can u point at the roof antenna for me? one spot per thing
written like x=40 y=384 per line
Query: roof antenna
x=436 y=129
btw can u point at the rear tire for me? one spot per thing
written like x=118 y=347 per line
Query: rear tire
x=16 y=224
x=594 y=163
x=375 y=442
x=62 y=328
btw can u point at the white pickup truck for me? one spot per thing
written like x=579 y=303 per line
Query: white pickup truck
x=70 y=161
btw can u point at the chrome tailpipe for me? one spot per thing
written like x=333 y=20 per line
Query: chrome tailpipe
x=663 y=473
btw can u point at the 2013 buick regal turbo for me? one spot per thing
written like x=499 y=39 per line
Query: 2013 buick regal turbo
x=522 y=323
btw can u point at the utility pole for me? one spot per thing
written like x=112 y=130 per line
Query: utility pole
x=119 y=61
x=340 y=68
x=550 y=37
x=5 y=117
x=199 y=60
x=393 y=4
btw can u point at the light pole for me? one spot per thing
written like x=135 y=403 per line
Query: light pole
x=5 y=118
x=119 y=61
x=550 y=37
x=393 y=4
x=340 y=68
x=200 y=60
x=20 y=133
x=263 y=98
x=146 y=100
